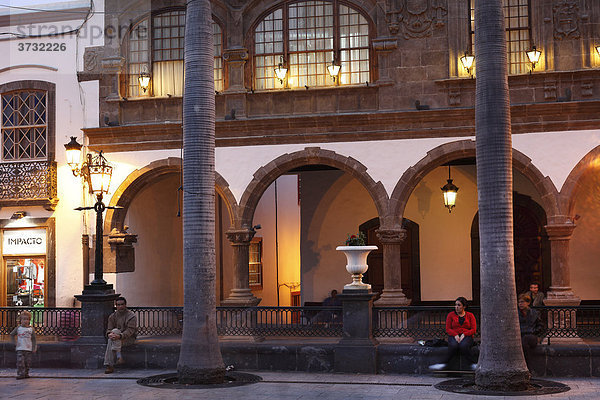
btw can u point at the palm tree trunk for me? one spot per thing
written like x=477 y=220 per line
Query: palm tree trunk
x=200 y=356
x=501 y=362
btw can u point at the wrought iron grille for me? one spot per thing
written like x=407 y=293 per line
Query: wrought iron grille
x=280 y=321
x=159 y=321
x=417 y=322
x=28 y=180
x=64 y=322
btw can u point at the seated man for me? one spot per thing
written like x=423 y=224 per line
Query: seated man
x=121 y=331
x=531 y=326
x=537 y=297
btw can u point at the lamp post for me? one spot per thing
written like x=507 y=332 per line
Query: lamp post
x=98 y=297
x=97 y=173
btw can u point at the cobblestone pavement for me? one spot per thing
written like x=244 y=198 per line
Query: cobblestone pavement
x=93 y=384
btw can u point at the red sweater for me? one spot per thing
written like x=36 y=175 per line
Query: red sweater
x=453 y=327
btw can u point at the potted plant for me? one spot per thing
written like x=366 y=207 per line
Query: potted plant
x=356 y=255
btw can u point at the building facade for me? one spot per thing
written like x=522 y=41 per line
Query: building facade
x=315 y=156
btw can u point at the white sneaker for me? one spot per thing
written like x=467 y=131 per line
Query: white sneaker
x=437 y=367
x=473 y=367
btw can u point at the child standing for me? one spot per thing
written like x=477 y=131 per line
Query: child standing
x=25 y=338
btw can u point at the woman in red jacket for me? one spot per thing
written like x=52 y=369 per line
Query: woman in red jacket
x=460 y=326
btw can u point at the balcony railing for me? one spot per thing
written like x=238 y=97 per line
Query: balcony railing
x=28 y=183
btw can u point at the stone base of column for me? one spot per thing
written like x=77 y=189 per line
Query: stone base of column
x=97 y=303
x=241 y=298
x=392 y=298
x=561 y=296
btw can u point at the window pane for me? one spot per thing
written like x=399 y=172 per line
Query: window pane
x=24 y=125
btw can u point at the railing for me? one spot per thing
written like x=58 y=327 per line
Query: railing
x=63 y=322
x=159 y=321
x=414 y=322
x=420 y=322
x=280 y=321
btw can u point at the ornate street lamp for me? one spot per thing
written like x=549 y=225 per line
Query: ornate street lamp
x=534 y=56
x=334 y=70
x=97 y=173
x=467 y=63
x=280 y=71
x=449 y=190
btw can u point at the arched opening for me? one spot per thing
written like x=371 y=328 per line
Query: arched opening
x=409 y=256
x=532 y=248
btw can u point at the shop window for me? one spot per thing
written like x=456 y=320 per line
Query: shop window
x=255 y=264
x=155 y=46
x=306 y=37
x=24 y=124
x=518 y=33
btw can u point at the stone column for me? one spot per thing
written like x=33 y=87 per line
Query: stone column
x=560 y=292
x=357 y=350
x=241 y=295
x=391 y=241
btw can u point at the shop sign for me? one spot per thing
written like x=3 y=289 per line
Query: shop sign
x=24 y=241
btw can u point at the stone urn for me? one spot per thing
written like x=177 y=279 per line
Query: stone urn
x=357 y=265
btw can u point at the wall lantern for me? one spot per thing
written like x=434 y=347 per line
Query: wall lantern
x=449 y=191
x=534 y=56
x=144 y=79
x=334 y=70
x=280 y=71
x=598 y=49
x=73 y=151
x=467 y=62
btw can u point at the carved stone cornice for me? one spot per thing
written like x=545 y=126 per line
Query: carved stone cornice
x=560 y=231
x=238 y=54
x=391 y=236
x=240 y=237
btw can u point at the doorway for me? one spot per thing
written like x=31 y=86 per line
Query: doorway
x=531 y=246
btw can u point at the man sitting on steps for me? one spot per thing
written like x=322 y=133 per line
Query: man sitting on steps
x=121 y=332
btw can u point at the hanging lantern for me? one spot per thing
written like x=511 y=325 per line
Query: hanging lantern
x=333 y=70
x=144 y=79
x=449 y=190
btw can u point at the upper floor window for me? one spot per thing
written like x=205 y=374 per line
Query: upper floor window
x=156 y=46
x=518 y=34
x=24 y=125
x=307 y=37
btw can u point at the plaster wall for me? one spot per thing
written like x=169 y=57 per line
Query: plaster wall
x=444 y=238
x=76 y=106
x=333 y=206
x=281 y=243
x=584 y=251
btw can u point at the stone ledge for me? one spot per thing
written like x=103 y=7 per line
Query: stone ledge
x=575 y=360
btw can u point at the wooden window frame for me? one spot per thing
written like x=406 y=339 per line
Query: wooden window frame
x=284 y=6
x=125 y=82
x=259 y=272
x=520 y=67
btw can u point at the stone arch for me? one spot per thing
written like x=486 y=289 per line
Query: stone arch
x=588 y=164
x=464 y=149
x=139 y=178
x=267 y=174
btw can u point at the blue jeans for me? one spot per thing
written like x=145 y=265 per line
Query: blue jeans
x=464 y=348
